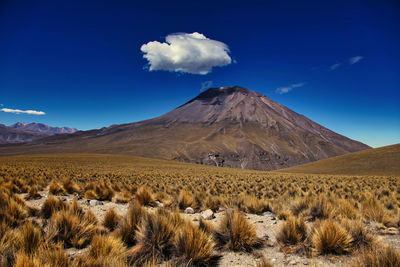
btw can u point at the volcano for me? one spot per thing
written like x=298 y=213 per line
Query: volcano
x=225 y=126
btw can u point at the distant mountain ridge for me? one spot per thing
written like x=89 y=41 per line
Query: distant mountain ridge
x=21 y=132
x=42 y=128
x=226 y=126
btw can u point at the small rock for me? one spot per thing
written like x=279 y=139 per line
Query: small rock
x=392 y=229
x=306 y=263
x=270 y=215
x=207 y=215
x=189 y=210
x=275 y=222
x=94 y=202
x=159 y=204
x=63 y=198
x=260 y=221
x=273 y=260
x=221 y=209
x=78 y=197
x=293 y=262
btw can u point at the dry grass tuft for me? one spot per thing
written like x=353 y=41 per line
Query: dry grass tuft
x=51 y=205
x=195 y=246
x=111 y=219
x=330 y=237
x=362 y=238
x=236 y=233
x=72 y=229
x=129 y=224
x=155 y=237
x=69 y=186
x=292 y=232
x=105 y=251
x=186 y=199
x=378 y=256
x=252 y=204
x=33 y=193
x=144 y=196
x=55 y=188
x=90 y=194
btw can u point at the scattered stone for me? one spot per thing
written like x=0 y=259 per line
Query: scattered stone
x=293 y=262
x=221 y=209
x=159 y=204
x=306 y=262
x=78 y=197
x=207 y=215
x=63 y=198
x=270 y=215
x=189 y=210
x=275 y=222
x=94 y=202
x=260 y=221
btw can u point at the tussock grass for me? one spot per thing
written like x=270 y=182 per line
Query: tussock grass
x=378 y=256
x=69 y=186
x=155 y=239
x=330 y=237
x=352 y=204
x=195 y=245
x=252 y=204
x=74 y=230
x=50 y=206
x=236 y=233
x=145 y=196
x=186 y=199
x=292 y=232
x=111 y=219
x=129 y=224
x=55 y=188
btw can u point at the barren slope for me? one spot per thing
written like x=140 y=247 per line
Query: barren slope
x=378 y=161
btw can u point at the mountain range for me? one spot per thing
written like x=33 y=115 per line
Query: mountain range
x=224 y=126
x=21 y=132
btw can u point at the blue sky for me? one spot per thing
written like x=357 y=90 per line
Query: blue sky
x=80 y=62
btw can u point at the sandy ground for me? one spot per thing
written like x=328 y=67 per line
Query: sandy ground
x=266 y=226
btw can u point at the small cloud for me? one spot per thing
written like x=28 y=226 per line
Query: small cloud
x=335 y=66
x=18 y=111
x=287 y=89
x=354 y=60
x=186 y=52
x=205 y=85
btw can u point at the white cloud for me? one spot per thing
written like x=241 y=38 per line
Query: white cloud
x=18 y=111
x=186 y=52
x=354 y=60
x=205 y=85
x=335 y=66
x=287 y=89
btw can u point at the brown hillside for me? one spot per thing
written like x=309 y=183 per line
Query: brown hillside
x=378 y=161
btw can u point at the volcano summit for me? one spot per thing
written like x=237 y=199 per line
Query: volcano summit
x=225 y=126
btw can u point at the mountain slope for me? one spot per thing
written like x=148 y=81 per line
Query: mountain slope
x=22 y=133
x=226 y=126
x=377 y=161
x=10 y=135
x=42 y=128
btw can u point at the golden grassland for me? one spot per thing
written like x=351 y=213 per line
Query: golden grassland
x=377 y=161
x=341 y=210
